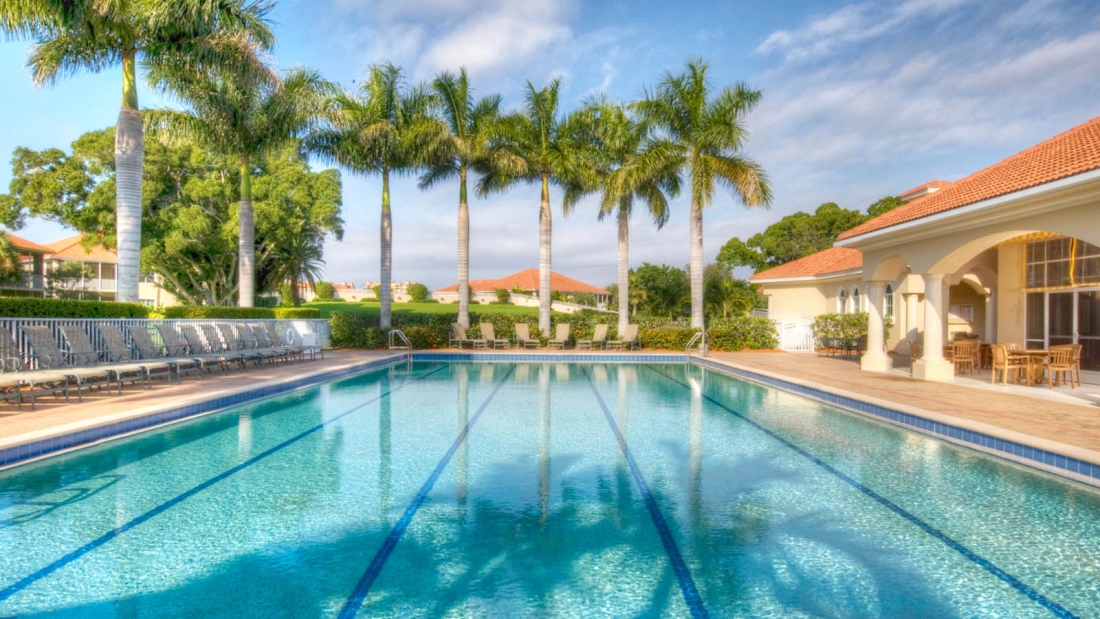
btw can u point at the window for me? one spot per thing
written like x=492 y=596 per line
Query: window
x=842 y=302
x=889 y=300
x=1061 y=262
x=856 y=307
x=960 y=313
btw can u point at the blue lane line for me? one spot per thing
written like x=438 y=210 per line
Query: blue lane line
x=16 y=587
x=362 y=588
x=1056 y=609
x=683 y=574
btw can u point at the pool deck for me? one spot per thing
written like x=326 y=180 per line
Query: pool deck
x=1061 y=420
x=54 y=417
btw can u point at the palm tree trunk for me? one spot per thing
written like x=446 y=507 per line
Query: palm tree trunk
x=544 y=257
x=246 y=244
x=463 y=253
x=387 y=253
x=129 y=162
x=624 y=269
x=696 y=257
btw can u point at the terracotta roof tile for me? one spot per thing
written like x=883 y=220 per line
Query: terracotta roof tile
x=22 y=243
x=71 y=249
x=1066 y=154
x=934 y=186
x=832 y=260
x=528 y=280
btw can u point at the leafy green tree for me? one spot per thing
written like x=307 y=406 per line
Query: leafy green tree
x=190 y=234
x=727 y=296
x=63 y=280
x=418 y=293
x=96 y=35
x=10 y=268
x=709 y=133
x=630 y=167
x=503 y=296
x=536 y=145
x=324 y=291
x=663 y=290
x=613 y=296
x=385 y=128
x=798 y=235
x=243 y=115
x=463 y=146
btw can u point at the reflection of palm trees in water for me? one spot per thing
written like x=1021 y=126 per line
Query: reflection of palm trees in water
x=544 y=443
x=384 y=446
x=695 y=452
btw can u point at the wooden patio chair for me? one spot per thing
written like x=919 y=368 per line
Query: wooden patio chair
x=916 y=351
x=1006 y=364
x=1060 y=364
x=962 y=355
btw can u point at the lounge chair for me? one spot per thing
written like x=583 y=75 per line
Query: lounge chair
x=194 y=348
x=233 y=344
x=16 y=380
x=84 y=353
x=148 y=352
x=598 y=340
x=250 y=341
x=490 y=336
x=119 y=351
x=523 y=336
x=561 y=336
x=283 y=343
x=49 y=357
x=627 y=340
x=458 y=338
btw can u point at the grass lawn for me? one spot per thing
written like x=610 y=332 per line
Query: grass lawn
x=422 y=308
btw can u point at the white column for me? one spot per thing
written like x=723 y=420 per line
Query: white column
x=875 y=359
x=990 y=334
x=932 y=366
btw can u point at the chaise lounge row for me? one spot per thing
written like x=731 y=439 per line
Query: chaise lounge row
x=49 y=369
x=523 y=338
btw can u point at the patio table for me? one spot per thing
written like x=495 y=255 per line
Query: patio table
x=1035 y=359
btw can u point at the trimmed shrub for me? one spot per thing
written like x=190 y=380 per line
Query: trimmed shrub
x=417 y=292
x=503 y=296
x=355 y=330
x=219 y=311
x=300 y=313
x=324 y=291
x=34 y=307
x=846 y=326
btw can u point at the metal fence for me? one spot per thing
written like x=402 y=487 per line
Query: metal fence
x=310 y=332
x=795 y=336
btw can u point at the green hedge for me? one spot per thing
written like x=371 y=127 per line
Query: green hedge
x=846 y=326
x=426 y=331
x=298 y=313
x=218 y=311
x=32 y=307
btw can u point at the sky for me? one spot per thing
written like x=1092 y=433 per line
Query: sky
x=860 y=101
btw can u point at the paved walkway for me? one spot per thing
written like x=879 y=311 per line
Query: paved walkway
x=1063 y=416
x=53 y=413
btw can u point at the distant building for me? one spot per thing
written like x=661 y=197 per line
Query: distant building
x=524 y=283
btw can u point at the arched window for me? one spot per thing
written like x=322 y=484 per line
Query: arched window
x=842 y=302
x=889 y=300
x=856 y=306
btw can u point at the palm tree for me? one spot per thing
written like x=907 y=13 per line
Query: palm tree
x=298 y=258
x=630 y=166
x=536 y=145
x=96 y=35
x=244 y=116
x=384 y=128
x=467 y=143
x=709 y=133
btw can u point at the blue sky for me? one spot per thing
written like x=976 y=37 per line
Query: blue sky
x=861 y=100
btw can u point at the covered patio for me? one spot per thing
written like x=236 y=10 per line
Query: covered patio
x=1008 y=255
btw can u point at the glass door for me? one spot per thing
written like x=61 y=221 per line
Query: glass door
x=1060 y=318
x=1088 y=329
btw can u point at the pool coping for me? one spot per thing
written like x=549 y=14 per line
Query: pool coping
x=31 y=446
x=1066 y=461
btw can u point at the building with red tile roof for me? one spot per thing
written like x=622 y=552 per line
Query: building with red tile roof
x=834 y=261
x=528 y=282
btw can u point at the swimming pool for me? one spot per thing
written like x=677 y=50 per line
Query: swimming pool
x=542 y=489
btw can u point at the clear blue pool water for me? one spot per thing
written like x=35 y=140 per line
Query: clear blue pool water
x=542 y=490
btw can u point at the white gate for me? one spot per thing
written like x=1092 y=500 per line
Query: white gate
x=795 y=336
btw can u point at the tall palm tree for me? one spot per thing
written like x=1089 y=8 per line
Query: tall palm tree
x=466 y=144
x=630 y=166
x=709 y=133
x=537 y=145
x=243 y=115
x=385 y=128
x=96 y=35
